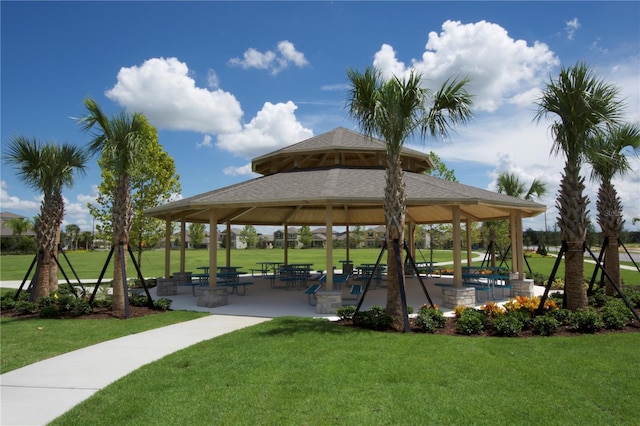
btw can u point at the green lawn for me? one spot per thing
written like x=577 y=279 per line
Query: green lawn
x=89 y=264
x=295 y=371
x=25 y=341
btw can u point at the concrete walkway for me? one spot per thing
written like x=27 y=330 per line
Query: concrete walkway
x=38 y=393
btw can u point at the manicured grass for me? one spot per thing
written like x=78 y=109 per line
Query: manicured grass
x=89 y=264
x=293 y=371
x=25 y=341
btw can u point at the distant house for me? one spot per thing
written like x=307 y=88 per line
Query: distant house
x=235 y=241
x=320 y=237
x=375 y=237
x=293 y=238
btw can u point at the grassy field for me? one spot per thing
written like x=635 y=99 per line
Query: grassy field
x=25 y=341
x=89 y=264
x=294 y=371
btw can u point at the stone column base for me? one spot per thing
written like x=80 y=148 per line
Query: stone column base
x=457 y=296
x=328 y=302
x=167 y=287
x=522 y=288
x=182 y=277
x=210 y=297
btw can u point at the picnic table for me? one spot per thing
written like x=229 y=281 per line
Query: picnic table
x=486 y=279
x=232 y=280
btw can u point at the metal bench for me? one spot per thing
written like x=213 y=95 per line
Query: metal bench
x=311 y=292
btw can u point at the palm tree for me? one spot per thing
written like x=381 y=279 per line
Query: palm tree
x=394 y=110
x=117 y=139
x=510 y=184
x=73 y=231
x=18 y=225
x=609 y=159
x=584 y=106
x=47 y=167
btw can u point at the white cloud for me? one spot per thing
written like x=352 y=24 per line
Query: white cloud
x=572 y=27
x=206 y=142
x=212 y=79
x=274 y=126
x=239 y=171
x=269 y=60
x=163 y=90
x=11 y=202
x=502 y=70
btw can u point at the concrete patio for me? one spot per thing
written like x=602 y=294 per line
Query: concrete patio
x=263 y=301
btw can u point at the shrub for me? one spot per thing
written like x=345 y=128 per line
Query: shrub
x=25 y=307
x=81 y=307
x=492 y=309
x=138 y=300
x=585 y=320
x=162 y=304
x=429 y=319
x=615 y=314
x=346 y=312
x=598 y=298
x=560 y=315
x=470 y=322
x=458 y=310
x=633 y=296
x=508 y=325
x=49 y=311
x=373 y=319
x=544 y=325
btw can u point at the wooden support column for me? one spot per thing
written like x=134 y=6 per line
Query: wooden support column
x=514 y=242
x=329 y=254
x=167 y=248
x=520 y=246
x=228 y=245
x=286 y=243
x=469 y=251
x=183 y=243
x=457 y=252
x=213 y=248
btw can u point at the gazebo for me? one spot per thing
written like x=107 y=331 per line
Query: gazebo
x=338 y=179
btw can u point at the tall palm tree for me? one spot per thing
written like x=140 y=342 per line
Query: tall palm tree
x=18 y=225
x=72 y=230
x=47 y=167
x=117 y=139
x=394 y=110
x=609 y=159
x=584 y=106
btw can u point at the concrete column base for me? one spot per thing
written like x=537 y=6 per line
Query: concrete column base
x=167 y=287
x=523 y=288
x=210 y=297
x=458 y=296
x=328 y=302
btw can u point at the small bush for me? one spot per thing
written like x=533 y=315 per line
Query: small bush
x=346 y=312
x=25 y=307
x=81 y=307
x=560 y=315
x=373 y=319
x=598 y=298
x=585 y=320
x=544 y=325
x=492 y=309
x=458 y=310
x=162 y=304
x=633 y=296
x=429 y=319
x=470 y=322
x=138 y=300
x=49 y=311
x=508 y=325
x=615 y=314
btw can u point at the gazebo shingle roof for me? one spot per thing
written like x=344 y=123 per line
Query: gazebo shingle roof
x=296 y=193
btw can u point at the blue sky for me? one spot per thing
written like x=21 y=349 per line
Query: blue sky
x=227 y=81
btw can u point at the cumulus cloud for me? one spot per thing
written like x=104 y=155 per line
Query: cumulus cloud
x=274 y=62
x=274 y=126
x=206 y=142
x=239 y=171
x=163 y=90
x=11 y=202
x=502 y=70
x=572 y=27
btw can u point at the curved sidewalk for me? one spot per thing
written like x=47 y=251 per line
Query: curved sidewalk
x=38 y=393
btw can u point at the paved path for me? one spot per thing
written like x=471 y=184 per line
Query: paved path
x=38 y=393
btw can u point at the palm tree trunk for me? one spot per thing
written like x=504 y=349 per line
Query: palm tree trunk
x=121 y=227
x=610 y=220
x=572 y=205
x=45 y=238
x=395 y=213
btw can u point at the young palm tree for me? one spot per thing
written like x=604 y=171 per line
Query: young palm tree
x=584 y=106
x=510 y=184
x=117 y=139
x=393 y=110
x=18 y=225
x=47 y=167
x=609 y=159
